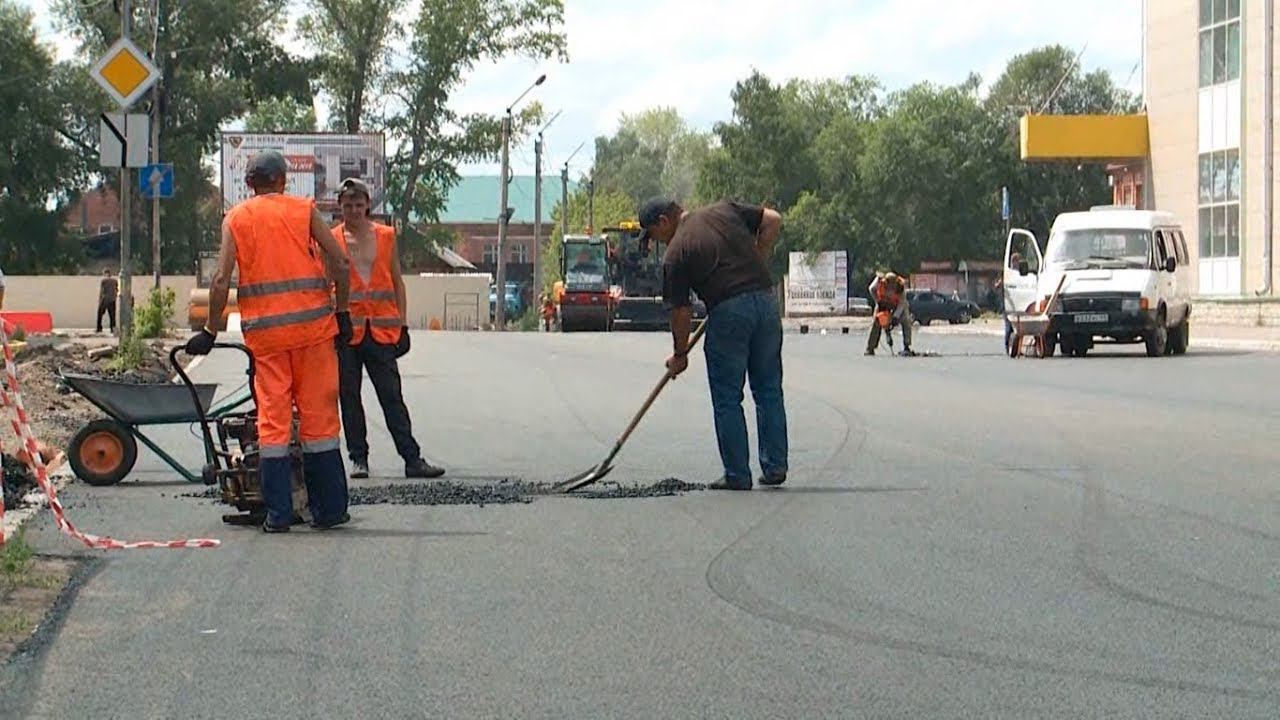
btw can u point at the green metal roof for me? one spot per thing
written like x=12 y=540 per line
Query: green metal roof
x=475 y=198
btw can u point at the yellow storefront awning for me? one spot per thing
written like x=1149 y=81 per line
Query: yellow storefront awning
x=1084 y=137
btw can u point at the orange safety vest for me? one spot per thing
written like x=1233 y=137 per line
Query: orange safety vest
x=374 y=302
x=283 y=293
x=887 y=296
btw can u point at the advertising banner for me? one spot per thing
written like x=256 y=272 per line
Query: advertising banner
x=318 y=163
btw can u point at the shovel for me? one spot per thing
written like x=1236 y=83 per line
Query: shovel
x=599 y=471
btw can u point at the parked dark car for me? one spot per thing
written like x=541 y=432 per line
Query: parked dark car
x=928 y=306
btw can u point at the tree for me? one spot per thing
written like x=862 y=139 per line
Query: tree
x=1049 y=80
x=351 y=39
x=281 y=115
x=447 y=39
x=219 y=60
x=611 y=207
x=39 y=165
x=652 y=153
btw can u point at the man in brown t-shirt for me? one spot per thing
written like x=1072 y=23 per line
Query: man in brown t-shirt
x=108 y=290
x=720 y=252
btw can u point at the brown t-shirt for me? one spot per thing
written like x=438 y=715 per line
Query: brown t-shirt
x=108 y=289
x=714 y=254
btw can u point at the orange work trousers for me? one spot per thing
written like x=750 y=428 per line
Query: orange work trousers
x=306 y=378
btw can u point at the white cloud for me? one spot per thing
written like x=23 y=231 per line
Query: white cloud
x=688 y=54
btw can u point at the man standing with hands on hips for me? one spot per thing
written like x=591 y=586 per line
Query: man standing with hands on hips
x=288 y=260
x=380 y=333
x=721 y=253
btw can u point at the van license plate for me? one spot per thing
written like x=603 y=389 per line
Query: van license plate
x=1091 y=318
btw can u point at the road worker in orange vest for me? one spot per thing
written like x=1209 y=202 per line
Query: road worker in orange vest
x=294 y=325
x=381 y=333
x=892 y=308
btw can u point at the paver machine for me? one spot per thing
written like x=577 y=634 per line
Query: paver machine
x=636 y=266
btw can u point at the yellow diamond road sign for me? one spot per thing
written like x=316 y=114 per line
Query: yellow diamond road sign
x=125 y=72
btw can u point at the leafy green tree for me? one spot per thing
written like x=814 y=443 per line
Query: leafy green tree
x=351 y=39
x=281 y=115
x=652 y=153
x=447 y=39
x=219 y=60
x=1049 y=80
x=39 y=166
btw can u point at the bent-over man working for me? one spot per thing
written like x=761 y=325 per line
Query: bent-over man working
x=720 y=252
x=380 y=334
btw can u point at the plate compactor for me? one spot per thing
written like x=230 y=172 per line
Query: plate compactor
x=232 y=452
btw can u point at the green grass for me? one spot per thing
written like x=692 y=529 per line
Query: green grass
x=16 y=557
x=15 y=622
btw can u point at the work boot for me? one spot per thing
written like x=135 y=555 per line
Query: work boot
x=870 y=352
x=267 y=527
x=359 y=469
x=908 y=352
x=727 y=484
x=774 y=478
x=342 y=519
x=422 y=469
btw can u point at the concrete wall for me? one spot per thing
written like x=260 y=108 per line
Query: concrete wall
x=459 y=302
x=1252 y=96
x=73 y=299
x=1245 y=312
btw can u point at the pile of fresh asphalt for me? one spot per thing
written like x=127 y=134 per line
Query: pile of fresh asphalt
x=503 y=492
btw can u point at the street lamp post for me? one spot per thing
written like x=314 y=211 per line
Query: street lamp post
x=504 y=212
x=564 y=192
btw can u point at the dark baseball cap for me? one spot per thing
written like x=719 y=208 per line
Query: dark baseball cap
x=650 y=211
x=356 y=184
x=268 y=164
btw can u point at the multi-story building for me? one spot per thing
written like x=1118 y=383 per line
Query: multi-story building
x=1208 y=69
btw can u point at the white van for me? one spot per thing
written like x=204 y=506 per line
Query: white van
x=1127 y=280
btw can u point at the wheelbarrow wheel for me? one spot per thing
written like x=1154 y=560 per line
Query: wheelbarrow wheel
x=103 y=452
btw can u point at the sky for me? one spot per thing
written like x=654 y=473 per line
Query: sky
x=687 y=54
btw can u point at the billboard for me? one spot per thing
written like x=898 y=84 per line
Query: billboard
x=318 y=163
x=819 y=286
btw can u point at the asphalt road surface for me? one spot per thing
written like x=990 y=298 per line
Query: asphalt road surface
x=961 y=536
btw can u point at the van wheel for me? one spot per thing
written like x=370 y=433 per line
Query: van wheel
x=1158 y=338
x=1050 y=345
x=1180 y=338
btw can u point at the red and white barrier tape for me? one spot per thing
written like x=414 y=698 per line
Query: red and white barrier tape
x=12 y=398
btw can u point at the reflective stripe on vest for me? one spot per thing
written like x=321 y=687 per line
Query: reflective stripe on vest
x=373 y=303
x=282 y=295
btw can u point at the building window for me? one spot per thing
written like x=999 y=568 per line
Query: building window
x=491 y=254
x=1219 y=41
x=104 y=229
x=1220 y=204
x=519 y=253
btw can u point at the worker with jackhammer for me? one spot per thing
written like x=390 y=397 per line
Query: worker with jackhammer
x=380 y=333
x=890 y=295
x=288 y=261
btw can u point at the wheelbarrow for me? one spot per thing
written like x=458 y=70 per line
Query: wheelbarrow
x=1031 y=329
x=104 y=451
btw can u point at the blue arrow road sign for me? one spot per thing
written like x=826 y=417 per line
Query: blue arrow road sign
x=1004 y=203
x=156 y=181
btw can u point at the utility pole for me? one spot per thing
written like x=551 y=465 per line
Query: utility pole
x=155 y=143
x=564 y=200
x=591 y=203
x=504 y=213
x=537 y=208
x=500 y=292
x=126 y=273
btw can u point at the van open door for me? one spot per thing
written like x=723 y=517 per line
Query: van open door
x=1023 y=263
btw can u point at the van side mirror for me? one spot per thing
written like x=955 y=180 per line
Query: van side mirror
x=1023 y=268
x=1170 y=264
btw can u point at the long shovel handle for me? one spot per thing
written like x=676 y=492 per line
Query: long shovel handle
x=666 y=377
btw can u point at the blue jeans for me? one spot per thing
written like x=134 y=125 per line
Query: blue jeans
x=744 y=340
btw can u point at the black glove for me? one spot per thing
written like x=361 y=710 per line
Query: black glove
x=201 y=343
x=402 y=346
x=344 y=330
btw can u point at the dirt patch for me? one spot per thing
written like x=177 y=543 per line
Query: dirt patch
x=28 y=596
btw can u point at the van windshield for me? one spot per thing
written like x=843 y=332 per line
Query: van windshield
x=1101 y=247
